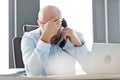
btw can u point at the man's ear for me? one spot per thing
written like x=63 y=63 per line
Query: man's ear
x=38 y=22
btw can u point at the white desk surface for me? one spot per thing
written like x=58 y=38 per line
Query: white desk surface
x=80 y=77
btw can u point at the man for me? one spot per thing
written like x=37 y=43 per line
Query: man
x=41 y=52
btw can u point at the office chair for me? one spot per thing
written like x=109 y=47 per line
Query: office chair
x=16 y=42
x=27 y=28
x=18 y=62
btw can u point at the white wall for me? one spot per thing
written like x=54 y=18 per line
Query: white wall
x=4 y=35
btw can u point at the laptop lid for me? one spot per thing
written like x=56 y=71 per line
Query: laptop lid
x=104 y=59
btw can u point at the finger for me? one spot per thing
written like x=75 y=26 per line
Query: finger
x=69 y=31
x=65 y=31
x=66 y=28
x=64 y=36
x=54 y=19
x=58 y=21
x=58 y=26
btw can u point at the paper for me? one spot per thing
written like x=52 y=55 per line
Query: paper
x=11 y=71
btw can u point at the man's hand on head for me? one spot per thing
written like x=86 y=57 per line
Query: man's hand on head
x=68 y=33
x=50 y=29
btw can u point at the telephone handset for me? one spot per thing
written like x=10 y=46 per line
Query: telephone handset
x=64 y=24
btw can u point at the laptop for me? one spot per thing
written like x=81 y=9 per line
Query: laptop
x=104 y=59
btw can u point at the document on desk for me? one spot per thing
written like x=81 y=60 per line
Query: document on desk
x=12 y=72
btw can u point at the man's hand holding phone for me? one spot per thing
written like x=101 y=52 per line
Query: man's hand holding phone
x=68 y=33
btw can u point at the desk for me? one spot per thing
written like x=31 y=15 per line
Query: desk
x=78 y=77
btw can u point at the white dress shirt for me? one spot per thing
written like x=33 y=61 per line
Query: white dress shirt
x=42 y=58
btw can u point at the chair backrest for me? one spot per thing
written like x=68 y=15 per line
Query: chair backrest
x=18 y=62
x=16 y=42
x=27 y=28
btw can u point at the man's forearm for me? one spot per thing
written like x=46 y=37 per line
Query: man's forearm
x=44 y=37
x=35 y=57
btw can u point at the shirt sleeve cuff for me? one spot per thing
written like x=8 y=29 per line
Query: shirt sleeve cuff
x=44 y=46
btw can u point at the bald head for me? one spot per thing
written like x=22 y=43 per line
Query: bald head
x=48 y=13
